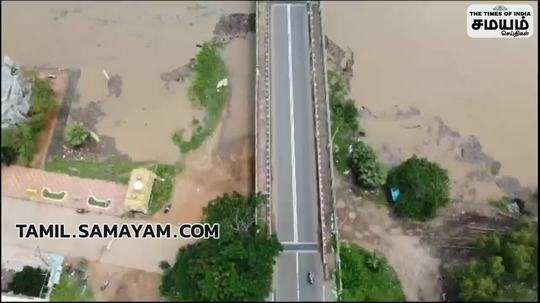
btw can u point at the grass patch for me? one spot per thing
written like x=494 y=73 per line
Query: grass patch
x=367 y=277
x=501 y=204
x=162 y=189
x=209 y=70
x=119 y=171
x=71 y=289
x=23 y=139
x=111 y=169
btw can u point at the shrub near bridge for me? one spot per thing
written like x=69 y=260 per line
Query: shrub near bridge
x=424 y=186
x=366 y=170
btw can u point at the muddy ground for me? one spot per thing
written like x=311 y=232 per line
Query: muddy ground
x=109 y=282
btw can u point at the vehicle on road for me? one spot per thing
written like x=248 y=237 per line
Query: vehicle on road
x=311 y=278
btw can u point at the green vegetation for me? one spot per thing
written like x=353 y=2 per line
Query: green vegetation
x=209 y=71
x=8 y=155
x=236 y=267
x=366 y=169
x=30 y=281
x=162 y=189
x=345 y=121
x=71 y=289
x=424 y=186
x=54 y=195
x=366 y=276
x=351 y=155
x=23 y=139
x=505 y=269
x=112 y=169
x=76 y=134
x=501 y=204
x=99 y=203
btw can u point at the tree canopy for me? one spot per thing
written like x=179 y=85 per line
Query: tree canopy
x=29 y=281
x=505 y=270
x=236 y=267
x=367 y=276
x=424 y=185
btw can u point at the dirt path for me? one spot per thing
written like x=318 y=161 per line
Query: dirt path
x=372 y=226
x=125 y=284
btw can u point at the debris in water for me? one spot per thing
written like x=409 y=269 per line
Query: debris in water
x=106 y=75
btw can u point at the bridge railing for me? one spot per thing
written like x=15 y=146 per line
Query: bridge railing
x=323 y=135
x=263 y=139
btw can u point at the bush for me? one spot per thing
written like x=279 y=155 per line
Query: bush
x=76 y=134
x=367 y=277
x=345 y=122
x=505 y=270
x=424 y=187
x=29 y=281
x=366 y=169
x=236 y=267
x=9 y=155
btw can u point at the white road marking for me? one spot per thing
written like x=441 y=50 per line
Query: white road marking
x=291 y=116
x=297 y=279
x=289 y=242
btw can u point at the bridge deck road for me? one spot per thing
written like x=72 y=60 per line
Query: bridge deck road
x=294 y=188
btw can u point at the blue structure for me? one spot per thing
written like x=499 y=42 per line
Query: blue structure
x=395 y=195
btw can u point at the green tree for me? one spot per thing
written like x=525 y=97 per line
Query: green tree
x=236 y=267
x=9 y=155
x=366 y=169
x=505 y=270
x=424 y=185
x=76 y=135
x=29 y=281
x=366 y=276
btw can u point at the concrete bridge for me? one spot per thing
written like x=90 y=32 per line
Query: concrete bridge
x=293 y=150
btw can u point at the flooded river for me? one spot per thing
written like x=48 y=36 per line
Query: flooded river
x=135 y=40
x=419 y=54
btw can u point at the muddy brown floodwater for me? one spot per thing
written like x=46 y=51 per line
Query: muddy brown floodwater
x=419 y=54
x=426 y=88
x=134 y=42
